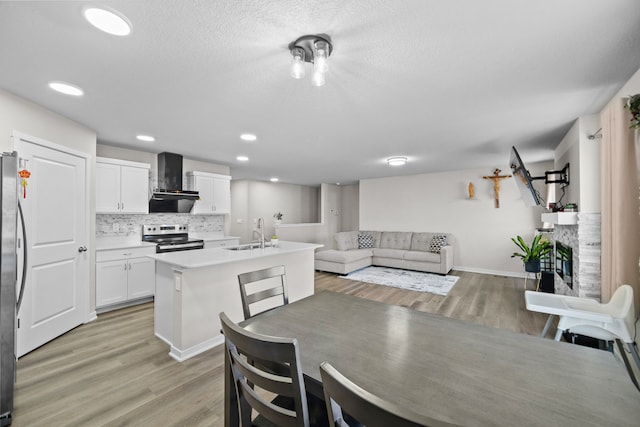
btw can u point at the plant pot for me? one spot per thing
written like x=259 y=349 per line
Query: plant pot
x=532 y=266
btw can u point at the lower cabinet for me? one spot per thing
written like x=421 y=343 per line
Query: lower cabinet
x=124 y=275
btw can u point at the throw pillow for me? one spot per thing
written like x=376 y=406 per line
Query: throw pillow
x=437 y=242
x=365 y=241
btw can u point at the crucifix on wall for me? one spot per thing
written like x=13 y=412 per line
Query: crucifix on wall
x=496 y=177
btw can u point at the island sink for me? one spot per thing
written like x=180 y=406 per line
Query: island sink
x=246 y=247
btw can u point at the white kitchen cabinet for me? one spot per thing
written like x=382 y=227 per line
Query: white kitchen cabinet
x=215 y=192
x=122 y=186
x=124 y=275
x=221 y=243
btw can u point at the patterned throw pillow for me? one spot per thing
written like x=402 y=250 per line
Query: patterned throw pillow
x=365 y=241
x=437 y=242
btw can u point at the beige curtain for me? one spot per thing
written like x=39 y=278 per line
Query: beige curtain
x=619 y=198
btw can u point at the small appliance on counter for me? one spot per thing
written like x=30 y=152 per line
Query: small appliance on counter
x=170 y=238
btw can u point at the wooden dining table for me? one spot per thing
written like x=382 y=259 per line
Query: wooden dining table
x=460 y=372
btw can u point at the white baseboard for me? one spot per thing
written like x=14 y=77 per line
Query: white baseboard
x=521 y=275
x=182 y=355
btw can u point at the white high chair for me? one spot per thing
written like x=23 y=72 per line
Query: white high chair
x=613 y=321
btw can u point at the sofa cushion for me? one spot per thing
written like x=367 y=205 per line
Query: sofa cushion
x=365 y=241
x=422 y=256
x=437 y=242
x=396 y=240
x=343 y=256
x=388 y=253
x=346 y=240
x=421 y=241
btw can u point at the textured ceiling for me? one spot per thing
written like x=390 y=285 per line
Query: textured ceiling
x=448 y=84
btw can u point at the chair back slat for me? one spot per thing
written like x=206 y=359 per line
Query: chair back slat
x=341 y=394
x=243 y=348
x=246 y=280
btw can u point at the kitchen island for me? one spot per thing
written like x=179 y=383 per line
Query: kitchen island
x=193 y=287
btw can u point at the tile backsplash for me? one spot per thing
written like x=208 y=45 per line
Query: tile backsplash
x=112 y=225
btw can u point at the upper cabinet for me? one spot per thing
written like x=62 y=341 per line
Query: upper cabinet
x=215 y=192
x=122 y=186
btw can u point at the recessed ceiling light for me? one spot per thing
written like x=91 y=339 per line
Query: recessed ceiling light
x=66 y=88
x=109 y=21
x=145 y=138
x=248 y=137
x=242 y=158
x=396 y=161
x=274 y=179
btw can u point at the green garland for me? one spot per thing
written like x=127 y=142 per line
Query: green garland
x=634 y=108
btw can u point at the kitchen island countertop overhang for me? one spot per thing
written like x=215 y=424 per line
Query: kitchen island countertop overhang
x=193 y=287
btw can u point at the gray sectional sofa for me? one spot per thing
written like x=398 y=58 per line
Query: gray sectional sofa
x=430 y=252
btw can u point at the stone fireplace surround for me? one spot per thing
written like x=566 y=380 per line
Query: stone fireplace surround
x=584 y=239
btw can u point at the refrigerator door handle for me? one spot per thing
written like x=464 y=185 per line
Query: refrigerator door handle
x=24 y=258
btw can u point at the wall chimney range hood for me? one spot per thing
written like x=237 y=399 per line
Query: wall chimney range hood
x=169 y=196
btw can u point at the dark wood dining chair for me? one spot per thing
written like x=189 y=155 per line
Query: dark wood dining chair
x=368 y=409
x=277 y=288
x=255 y=388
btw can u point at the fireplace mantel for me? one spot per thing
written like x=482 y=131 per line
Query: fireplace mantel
x=561 y=218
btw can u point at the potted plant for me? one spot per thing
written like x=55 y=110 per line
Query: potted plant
x=274 y=240
x=278 y=218
x=531 y=255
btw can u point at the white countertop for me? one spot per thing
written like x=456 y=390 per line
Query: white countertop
x=107 y=243
x=215 y=256
x=124 y=242
x=210 y=236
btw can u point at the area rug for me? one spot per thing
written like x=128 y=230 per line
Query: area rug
x=405 y=279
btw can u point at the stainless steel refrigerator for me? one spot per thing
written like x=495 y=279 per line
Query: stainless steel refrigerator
x=10 y=293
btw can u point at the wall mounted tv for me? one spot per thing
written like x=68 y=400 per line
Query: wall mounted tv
x=524 y=180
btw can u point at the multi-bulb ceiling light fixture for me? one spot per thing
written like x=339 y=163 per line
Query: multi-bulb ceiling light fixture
x=314 y=49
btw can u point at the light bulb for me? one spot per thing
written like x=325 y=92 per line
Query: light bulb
x=318 y=78
x=320 y=58
x=297 y=64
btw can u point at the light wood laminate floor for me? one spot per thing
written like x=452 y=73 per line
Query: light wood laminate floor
x=115 y=372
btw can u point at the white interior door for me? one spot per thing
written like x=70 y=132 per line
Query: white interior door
x=56 y=294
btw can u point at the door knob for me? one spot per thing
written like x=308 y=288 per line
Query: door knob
x=82 y=249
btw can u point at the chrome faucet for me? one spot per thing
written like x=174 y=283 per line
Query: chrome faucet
x=260 y=229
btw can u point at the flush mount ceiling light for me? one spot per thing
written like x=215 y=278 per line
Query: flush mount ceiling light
x=145 y=138
x=248 y=137
x=66 y=88
x=109 y=21
x=314 y=49
x=396 y=161
x=274 y=179
x=242 y=158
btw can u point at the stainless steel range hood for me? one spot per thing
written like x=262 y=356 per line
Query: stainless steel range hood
x=169 y=196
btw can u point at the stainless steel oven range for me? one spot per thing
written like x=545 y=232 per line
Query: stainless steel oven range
x=169 y=238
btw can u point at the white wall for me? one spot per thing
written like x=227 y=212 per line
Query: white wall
x=350 y=207
x=31 y=119
x=322 y=232
x=439 y=202
x=583 y=156
x=256 y=199
x=152 y=158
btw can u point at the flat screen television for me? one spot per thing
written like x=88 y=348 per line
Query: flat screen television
x=523 y=180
